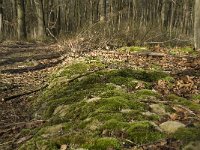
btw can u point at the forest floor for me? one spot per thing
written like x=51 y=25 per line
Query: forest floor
x=25 y=70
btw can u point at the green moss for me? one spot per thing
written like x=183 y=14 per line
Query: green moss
x=54 y=130
x=103 y=109
x=83 y=124
x=153 y=76
x=94 y=64
x=169 y=79
x=25 y=131
x=95 y=84
x=187 y=49
x=30 y=145
x=74 y=69
x=78 y=138
x=185 y=102
x=183 y=51
x=156 y=67
x=143 y=132
x=74 y=139
x=118 y=80
x=87 y=110
x=105 y=144
x=39 y=144
x=76 y=118
x=71 y=94
x=118 y=103
x=77 y=68
x=196 y=97
x=153 y=117
x=46 y=144
x=57 y=120
x=103 y=117
x=137 y=115
x=145 y=93
x=147 y=76
x=187 y=134
x=52 y=93
x=137 y=49
x=49 y=107
x=114 y=124
x=115 y=92
x=80 y=110
x=132 y=49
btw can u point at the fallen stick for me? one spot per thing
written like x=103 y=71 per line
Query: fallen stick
x=24 y=139
x=51 y=34
x=153 y=54
x=23 y=94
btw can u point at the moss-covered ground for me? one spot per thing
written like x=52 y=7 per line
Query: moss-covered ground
x=89 y=105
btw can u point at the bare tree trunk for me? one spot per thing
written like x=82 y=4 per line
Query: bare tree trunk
x=21 y=28
x=1 y=19
x=102 y=10
x=163 y=14
x=197 y=25
x=40 y=19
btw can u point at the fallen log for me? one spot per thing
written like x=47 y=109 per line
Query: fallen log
x=153 y=54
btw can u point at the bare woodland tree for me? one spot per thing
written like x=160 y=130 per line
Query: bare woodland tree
x=40 y=19
x=197 y=25
x=21 y=27
x=1 y=19
x=131 y=20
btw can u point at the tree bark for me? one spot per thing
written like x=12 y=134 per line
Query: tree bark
x=40 y=19
x=163 y=13
x=102 y=10
x=1 y=19
x=197 y=25
x=21 y=28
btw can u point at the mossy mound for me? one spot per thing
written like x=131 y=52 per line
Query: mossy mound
x=185 y=102
x=143 y=132
x=133 y=49
x=105 y=143
x=183 y=51
x=188 y=134
x=99 y=109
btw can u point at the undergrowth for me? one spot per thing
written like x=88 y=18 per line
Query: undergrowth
x=100 y=109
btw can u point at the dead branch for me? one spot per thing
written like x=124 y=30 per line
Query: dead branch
x=23 y=94
x=153 y=54
x=51 y=34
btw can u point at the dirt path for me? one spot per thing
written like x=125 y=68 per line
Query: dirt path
x=23 y=68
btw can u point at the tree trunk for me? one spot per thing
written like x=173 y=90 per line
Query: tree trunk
x=102 y=10
x=40 y=19
x=1 y=19
x=163 y=13
x=21 y=28
x=197 y=25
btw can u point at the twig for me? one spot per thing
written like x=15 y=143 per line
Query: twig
x=189 y=111
x=24 y=139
